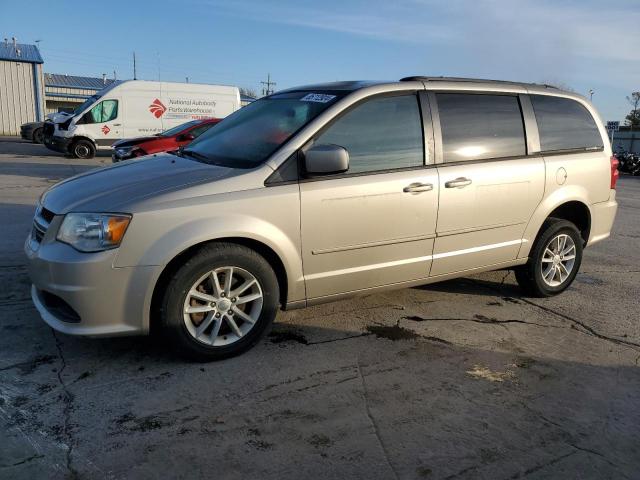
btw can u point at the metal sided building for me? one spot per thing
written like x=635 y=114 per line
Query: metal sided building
x=21 y=86
x=66 y=92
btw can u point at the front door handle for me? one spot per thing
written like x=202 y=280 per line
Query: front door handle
x=418 y=187
x=459 y=182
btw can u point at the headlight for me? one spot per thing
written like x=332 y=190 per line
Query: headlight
x=93 y=232
x=122 y=151
x=129 y=151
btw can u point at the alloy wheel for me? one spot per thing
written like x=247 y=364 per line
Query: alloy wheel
x=558 y=260
x=222 y=306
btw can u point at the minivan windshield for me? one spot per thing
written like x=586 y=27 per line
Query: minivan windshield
x=250 y=135
x=89 y=101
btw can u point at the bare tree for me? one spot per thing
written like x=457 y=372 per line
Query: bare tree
x=249 y=92
x=633 y=119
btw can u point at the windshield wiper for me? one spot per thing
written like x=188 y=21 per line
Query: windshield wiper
x=198 y=156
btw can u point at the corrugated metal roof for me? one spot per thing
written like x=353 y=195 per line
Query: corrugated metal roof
x=72 y=81
x=21 y=53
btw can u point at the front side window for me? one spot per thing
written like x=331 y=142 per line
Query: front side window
x=564 y=124
x=476 y=127
x=249 y=136
x=382 y=134
x=105 y=111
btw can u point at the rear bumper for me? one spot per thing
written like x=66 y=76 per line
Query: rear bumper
x=602 y=217
x=57 y=144
x=26 y=133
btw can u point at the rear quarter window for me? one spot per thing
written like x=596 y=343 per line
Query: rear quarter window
x=564 y=124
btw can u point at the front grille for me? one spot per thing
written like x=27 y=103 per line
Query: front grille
x=41 y=222
x=48 y=128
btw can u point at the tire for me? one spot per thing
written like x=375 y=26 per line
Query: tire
x=82 y=149
x=534 y=277
x=38 y=136
x=183 y=330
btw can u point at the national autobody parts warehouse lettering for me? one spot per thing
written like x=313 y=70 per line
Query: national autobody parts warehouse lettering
x=190 y=109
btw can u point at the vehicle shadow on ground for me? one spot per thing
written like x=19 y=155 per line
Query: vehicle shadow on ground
x=478 y=286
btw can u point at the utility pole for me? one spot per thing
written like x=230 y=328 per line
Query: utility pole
x=135 y=75
x=591 y=92
x=267 y=90
x=187 y=79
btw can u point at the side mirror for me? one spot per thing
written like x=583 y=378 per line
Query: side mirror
x=326 y=160
x=185 y=137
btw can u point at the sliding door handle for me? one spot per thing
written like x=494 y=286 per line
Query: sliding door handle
x=459 y=182
x=418 y=187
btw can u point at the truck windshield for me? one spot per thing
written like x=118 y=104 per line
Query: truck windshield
x=89 y=101
x=249 y=136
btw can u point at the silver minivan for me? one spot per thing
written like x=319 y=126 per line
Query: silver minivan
x=319 y=192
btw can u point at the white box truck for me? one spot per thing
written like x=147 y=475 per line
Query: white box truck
x=133 y=108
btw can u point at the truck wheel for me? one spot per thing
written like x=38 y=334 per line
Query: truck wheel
x=554 y=260
x=83 y=149
x=219 y=302
x=38 y=136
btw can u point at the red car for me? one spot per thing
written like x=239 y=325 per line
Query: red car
x=167 y=141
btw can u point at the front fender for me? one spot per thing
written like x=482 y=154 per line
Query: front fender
x=156 y=237
x=570 y=193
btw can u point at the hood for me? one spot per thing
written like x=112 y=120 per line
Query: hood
x=117 y=188
x=59 y=117
x=130 y=142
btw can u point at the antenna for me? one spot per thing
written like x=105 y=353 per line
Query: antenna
x=135 y=75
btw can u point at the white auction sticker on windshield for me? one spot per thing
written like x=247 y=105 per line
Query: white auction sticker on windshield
x=317 y=97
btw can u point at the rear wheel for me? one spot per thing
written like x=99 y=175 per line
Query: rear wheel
x=220 y=302
x=83 y=149
x=38 y=136
x=554 y=260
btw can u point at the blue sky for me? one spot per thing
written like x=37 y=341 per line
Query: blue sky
x=583 y=44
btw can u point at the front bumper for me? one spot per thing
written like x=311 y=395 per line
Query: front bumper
x=57 y=144
x=98 y=299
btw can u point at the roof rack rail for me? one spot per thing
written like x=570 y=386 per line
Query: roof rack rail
x=462 y=79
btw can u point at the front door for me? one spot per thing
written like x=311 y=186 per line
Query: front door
x=103 y=123
x=375 y=224
x=489 y=187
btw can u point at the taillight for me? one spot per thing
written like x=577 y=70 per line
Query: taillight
x=614 y=171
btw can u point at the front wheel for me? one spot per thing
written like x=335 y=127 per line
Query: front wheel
x=554 y=260
x=83 y=149
x=220 y=302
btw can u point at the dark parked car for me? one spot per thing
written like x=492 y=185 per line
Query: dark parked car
x=32 y=131
x=167 y=141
